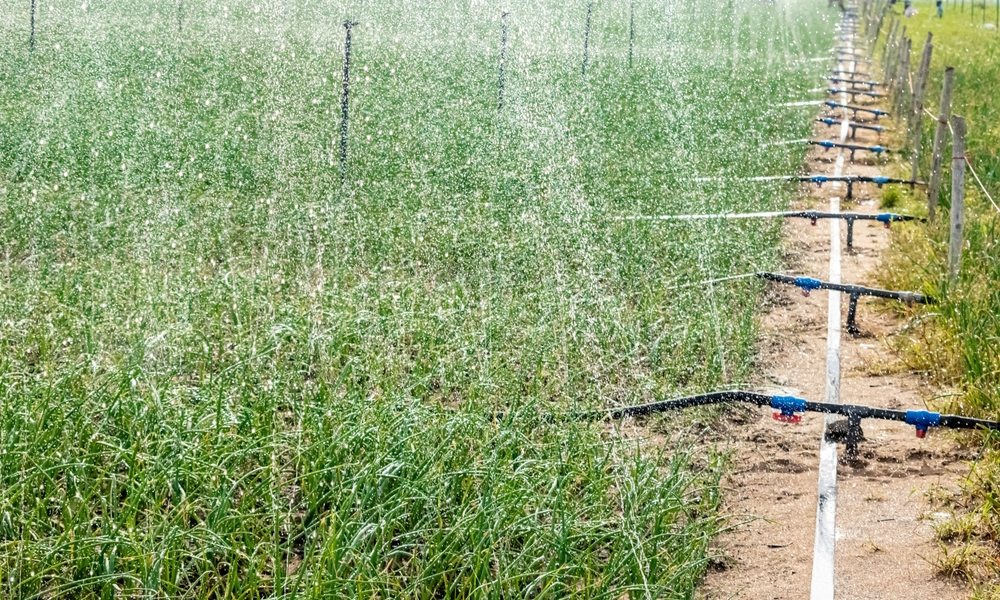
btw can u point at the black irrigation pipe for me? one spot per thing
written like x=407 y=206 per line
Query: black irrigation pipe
x=852 y=73
x=788 y=408
x=885 y=218
x=878 y=113
x=503 y=57
x=819 y=180
x=870 y=84
x=808 y=284
x=854 y=126
x=868 y=93
x=852 y=147
x=345 y=101
x=586 y=39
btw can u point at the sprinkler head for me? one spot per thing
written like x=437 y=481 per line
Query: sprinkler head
x=783 y=418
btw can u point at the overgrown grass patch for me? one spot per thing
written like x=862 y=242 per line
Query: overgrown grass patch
x=959 y=344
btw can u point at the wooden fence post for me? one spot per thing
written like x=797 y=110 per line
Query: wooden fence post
x=955 y=242
x=904 y=78
x=917 y=110
x=889 y=50
x=940 y=134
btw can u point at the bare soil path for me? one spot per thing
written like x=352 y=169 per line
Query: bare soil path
x=886 y=547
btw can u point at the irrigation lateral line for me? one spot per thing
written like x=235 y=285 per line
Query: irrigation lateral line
x=812 y=215
x=819 y=180
x=808 y=284
x=788 y=409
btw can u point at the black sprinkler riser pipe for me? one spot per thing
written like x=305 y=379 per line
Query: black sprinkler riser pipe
x=345 y=101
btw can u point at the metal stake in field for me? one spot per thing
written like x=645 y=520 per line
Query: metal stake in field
x=180 y=15
x=503 y=56
x=344 y=101
x=631 y=31
x=586 y=38
x=940 y=132
x=957 y=197
x=31 y=39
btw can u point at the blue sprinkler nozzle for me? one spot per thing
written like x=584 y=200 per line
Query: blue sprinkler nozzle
x=922 y=419
x=819 y=179
x=887 y=218
x=880 y=180
x=878 y=149
x=827 y=144
x=808 y=284
x=787 y=407
x=828 y=121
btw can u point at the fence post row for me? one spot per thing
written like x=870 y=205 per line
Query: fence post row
x=955 y=242
x=940 y=133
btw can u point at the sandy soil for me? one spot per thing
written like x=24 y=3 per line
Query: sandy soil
x=885 y=539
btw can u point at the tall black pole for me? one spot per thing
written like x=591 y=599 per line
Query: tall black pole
x=344 y=101
x=631 y=31
x=180 y=14
x=31 y=40
x=503 y=56
x=586 y=38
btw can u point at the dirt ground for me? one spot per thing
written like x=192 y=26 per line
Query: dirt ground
x=885 y=546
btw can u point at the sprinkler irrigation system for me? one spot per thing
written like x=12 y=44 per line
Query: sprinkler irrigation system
x=808 y=284
x=852 y=147
x=854 y=126
x=886 y=218
x=868 y=93
x=849 y=73
x=874 y=111
x=870 y=84
x=789 y=409
x=819 y=180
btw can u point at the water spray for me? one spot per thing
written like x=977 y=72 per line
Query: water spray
x=808 y=284
x=345 y=101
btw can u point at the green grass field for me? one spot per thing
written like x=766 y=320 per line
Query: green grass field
x=225 y=374
x=960 y=348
